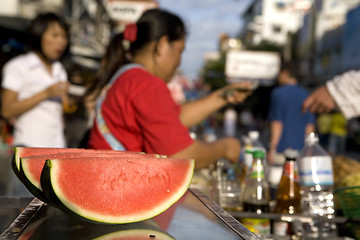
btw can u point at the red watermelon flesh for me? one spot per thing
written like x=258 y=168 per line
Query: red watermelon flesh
x=20 y=152
x=117 y=190
x=33 y=165
x=30 y=151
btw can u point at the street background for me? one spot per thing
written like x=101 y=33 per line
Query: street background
x=321 y=36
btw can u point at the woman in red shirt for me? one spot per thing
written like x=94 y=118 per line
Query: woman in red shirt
x=138 y=112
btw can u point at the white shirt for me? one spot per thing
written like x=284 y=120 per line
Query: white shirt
x=41 y=126
x=345 y=89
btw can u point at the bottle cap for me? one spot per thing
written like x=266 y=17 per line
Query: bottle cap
x=253 y=135
x=311 y=138
x=290 y=153
x=258 y=154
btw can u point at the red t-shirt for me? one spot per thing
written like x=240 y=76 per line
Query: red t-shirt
x=141 y=114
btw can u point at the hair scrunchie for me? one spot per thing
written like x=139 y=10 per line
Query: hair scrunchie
x=130 y=32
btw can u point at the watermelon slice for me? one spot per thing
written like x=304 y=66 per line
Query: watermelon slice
x=116 y=190
x=31 y=166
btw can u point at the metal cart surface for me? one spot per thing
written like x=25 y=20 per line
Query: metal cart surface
x=194 y=216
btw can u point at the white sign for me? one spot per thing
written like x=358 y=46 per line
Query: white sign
x=252 y=65
x=128 y=11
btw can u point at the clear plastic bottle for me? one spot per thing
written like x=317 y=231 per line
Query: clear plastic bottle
x=316 y=181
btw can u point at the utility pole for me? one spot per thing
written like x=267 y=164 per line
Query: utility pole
x=313 y=50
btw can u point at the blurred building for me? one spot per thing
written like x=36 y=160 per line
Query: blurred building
x=325 y=37
x=321 y=35
x=272 y=20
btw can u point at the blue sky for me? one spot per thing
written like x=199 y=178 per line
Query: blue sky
x=205 y=21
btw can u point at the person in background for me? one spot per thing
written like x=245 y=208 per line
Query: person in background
x=247 y=121
x=343 y=92
x=138 y=113
x=337 y=134
x=288 y=125
x=76 y=115
x=35 y=84
x=323 y=122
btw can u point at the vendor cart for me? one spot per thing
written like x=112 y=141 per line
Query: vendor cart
x=194 y=216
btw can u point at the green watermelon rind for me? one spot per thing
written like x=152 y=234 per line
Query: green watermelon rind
x=30 y=186
x=27 y=174
x=14 y=164
x=16 y=157
x=55 y=195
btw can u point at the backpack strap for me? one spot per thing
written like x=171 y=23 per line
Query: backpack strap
x=101 y=124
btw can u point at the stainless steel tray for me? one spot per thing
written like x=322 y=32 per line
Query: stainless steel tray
x=194 y=216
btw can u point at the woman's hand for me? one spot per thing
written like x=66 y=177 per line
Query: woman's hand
x=59 y=89
x=237 y=92
x=232 y=148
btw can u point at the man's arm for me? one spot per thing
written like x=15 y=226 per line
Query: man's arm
x=276 y=128
x=343 y=91
x=320 y=101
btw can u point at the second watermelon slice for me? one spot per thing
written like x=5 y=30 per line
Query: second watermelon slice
x=116 y=190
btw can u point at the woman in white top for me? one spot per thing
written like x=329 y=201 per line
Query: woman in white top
x=35 y=84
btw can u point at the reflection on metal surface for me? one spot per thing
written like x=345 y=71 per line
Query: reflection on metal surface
x=225 y=216
x=287 y=217
x=13 y=231
x=40 y=221
x=194 y=216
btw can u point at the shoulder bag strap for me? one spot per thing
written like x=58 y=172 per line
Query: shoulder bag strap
x=101 y=124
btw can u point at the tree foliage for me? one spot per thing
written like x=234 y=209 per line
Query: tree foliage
x=214 y=73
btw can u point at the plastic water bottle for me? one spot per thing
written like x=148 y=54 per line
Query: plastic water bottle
x=316 y=181
x=230 y=121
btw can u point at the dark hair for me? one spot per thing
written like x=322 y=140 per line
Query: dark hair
x=290 y=67
x=113 y=58
x=39 y=25
x=152 y=25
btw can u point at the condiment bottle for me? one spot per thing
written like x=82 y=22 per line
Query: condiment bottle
x=288 y=197
x=257 y=196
